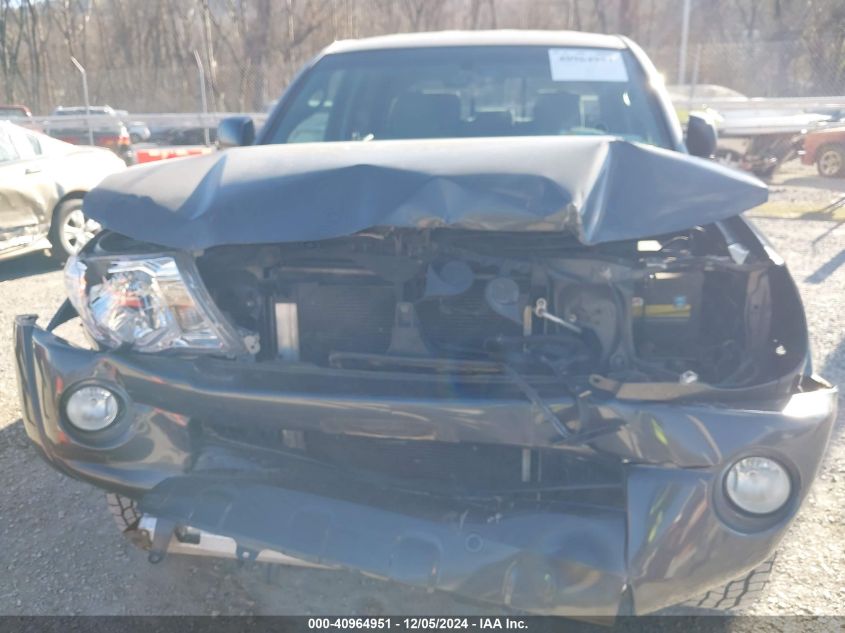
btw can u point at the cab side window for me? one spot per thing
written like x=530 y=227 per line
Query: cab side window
x=8 y=152
x=31 y=146
x=27 y=145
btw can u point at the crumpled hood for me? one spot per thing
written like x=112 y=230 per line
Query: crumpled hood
x=599 y=188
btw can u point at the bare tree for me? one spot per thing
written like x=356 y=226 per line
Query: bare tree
x=139 y=54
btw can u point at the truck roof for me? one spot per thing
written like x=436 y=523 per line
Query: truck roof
x=500 y=37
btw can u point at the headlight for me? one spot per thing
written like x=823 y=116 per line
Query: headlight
x=758 y=485
x=150 y=304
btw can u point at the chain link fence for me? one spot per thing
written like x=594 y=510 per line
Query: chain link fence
x=141 y=56
x=756 y=69
x=174 y=88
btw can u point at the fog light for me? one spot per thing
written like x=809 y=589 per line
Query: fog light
x=92 y=408
x=758 y=485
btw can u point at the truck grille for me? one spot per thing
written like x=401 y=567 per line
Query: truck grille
x=482 y=470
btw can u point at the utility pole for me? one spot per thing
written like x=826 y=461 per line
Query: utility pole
x=82 y=72
x=682 y=55
x=203 y=97
x=208 y=44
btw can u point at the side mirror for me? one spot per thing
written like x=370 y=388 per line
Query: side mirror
x=235 y=131
x=701 y=136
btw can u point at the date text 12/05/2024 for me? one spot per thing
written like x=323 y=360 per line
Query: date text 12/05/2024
x=436 y=623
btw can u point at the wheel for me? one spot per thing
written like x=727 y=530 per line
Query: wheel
x=126 y=515
x=735 y=595
x=124 y=511
x=830 y=161
x=70 y=230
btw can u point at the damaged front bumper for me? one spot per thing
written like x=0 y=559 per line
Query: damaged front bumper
x=666 y=534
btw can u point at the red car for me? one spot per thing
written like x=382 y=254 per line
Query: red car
x=826 y=148
x=108 y=130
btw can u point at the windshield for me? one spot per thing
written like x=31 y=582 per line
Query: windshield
x=470 y=92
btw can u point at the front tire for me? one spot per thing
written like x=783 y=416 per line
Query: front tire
x=70 y=230
x=735 y=596
x=830 y=161
x=124 y=511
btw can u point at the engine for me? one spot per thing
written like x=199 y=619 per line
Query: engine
x=470 y=302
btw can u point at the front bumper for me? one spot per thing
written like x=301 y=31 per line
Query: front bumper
x=671 y=538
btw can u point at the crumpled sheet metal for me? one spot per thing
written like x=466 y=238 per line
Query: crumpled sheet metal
x=599 y=188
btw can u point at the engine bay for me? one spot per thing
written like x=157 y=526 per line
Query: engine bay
x=678 y=308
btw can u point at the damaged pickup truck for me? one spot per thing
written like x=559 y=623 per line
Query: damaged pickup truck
x=465 y=315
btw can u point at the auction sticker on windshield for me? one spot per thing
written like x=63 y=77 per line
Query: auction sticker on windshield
x=587 y=64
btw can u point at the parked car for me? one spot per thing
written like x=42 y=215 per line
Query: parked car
x=19 y=115
x=139 y=132
x=108 y=129
x=703 y=92
x=15 y=113
x=755 y=135
x=761 y=143
x=825 y=149
x=464 y=315
x=42 y=184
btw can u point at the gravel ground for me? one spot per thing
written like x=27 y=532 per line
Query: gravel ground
x=60 y=553
x=797 y=191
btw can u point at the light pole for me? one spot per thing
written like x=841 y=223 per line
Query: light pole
x=203 y=97
x=82 y=72
x=682 y=55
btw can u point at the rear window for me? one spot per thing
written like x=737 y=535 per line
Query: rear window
x=12 y=113
x=470 y=92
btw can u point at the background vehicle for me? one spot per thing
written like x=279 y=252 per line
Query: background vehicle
x=753 y=134
x=108 y=129
x=42 y=184
x=703 y=92
x=139 y=132
x=15 y=112
x=826 y=149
